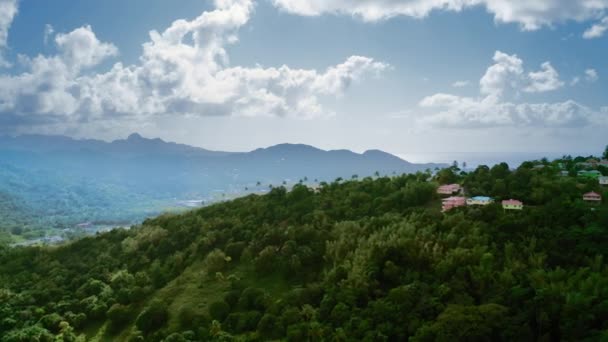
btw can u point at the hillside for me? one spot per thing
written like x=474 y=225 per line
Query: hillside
x=61 y=182
x=360 y=260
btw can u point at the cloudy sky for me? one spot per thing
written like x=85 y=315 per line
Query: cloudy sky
x=405 y=76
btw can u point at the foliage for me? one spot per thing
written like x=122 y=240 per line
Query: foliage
x=365 y=259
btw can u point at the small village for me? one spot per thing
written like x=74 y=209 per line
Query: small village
x=457 y=193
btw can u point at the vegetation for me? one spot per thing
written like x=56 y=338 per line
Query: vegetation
x=371 y=259
x=51 y=184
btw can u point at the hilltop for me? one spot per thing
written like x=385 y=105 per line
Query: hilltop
x=358 y=260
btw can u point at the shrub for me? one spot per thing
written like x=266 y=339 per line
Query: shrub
x=219 y=310
x=118 y=315
x=152 y=318
x=216 y=261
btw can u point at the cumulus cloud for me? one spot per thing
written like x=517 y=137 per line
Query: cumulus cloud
x=8 y=10
x=183 y=70
x=530 y=15
x=597 y=30
x=507 y=74
x=81 y=48
x=591 y=75
x=547 y=79
x=493 y=108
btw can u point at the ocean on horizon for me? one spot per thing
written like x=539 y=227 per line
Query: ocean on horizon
x=474 y=159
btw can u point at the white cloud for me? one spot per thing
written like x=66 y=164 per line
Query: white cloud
x=492 y=109
x=530 y=15
x=184 y=70
x=545 y=80
x=597 y=30
x=81 y=48
x=8 y=10
x=465 y=112
x=507 y=74
x=591 y=75
x=48 y=32
x=460 y=84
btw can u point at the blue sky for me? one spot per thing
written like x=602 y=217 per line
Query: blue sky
x=405 y=76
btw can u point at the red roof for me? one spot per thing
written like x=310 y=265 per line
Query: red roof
x=512 y=202
x=592 y=196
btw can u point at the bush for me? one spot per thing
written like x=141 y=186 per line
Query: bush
x=152 y=318
x=252 y=298
x=235 y=249
x=76 y=320
x=232 y=298
x=119 y=315
x=216 y=261
x=188 y=316
x=51 y=322
x=249 y=321
x=269 y=326
x=219 y=310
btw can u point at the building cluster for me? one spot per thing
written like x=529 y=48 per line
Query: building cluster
x=593 y=163
x=452 y=202
x=461 y=201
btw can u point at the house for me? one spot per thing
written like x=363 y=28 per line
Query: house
x=594 y=174
x=448 y=189
x=603 y=180
x=604 y=162
x=479 y=200
x=512 y=205
x=590 y=163
x=453 y=202
x=592 y=197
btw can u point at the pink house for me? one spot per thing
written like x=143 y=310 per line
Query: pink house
x=512 y=205
x=592 y=197
x=448 y=189
x=453 y=202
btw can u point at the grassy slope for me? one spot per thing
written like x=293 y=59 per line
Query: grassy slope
x=193 y=286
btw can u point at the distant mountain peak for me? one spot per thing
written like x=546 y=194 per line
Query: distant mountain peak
x=134 y=137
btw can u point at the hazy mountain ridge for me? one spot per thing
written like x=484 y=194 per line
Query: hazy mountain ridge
x=65 y=181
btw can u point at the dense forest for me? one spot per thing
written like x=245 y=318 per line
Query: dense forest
x=371 y=259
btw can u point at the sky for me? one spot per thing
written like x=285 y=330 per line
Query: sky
x=404 y=76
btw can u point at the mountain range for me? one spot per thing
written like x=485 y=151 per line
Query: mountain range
x=59 y=181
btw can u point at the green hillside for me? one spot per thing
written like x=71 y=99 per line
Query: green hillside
x=358 y=260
